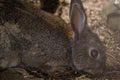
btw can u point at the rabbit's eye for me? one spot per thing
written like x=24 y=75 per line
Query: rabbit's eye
x=94 y=53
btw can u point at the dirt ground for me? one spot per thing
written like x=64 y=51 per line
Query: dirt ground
x=97 y=22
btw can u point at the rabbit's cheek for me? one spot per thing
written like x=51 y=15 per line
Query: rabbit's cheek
x=96 y=68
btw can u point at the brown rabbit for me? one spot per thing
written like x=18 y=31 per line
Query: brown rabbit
x=38 y=40
x=88 y=53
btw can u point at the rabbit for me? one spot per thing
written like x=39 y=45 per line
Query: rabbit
x=40 y=41
x=88 y=53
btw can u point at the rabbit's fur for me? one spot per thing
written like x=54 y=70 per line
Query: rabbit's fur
x=39 y=40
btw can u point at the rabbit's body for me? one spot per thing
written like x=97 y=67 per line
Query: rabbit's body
x=41 y=40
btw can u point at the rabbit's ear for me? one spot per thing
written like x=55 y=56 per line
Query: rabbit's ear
x=77 y=17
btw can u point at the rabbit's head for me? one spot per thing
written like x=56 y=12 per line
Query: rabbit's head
x=88 y=52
